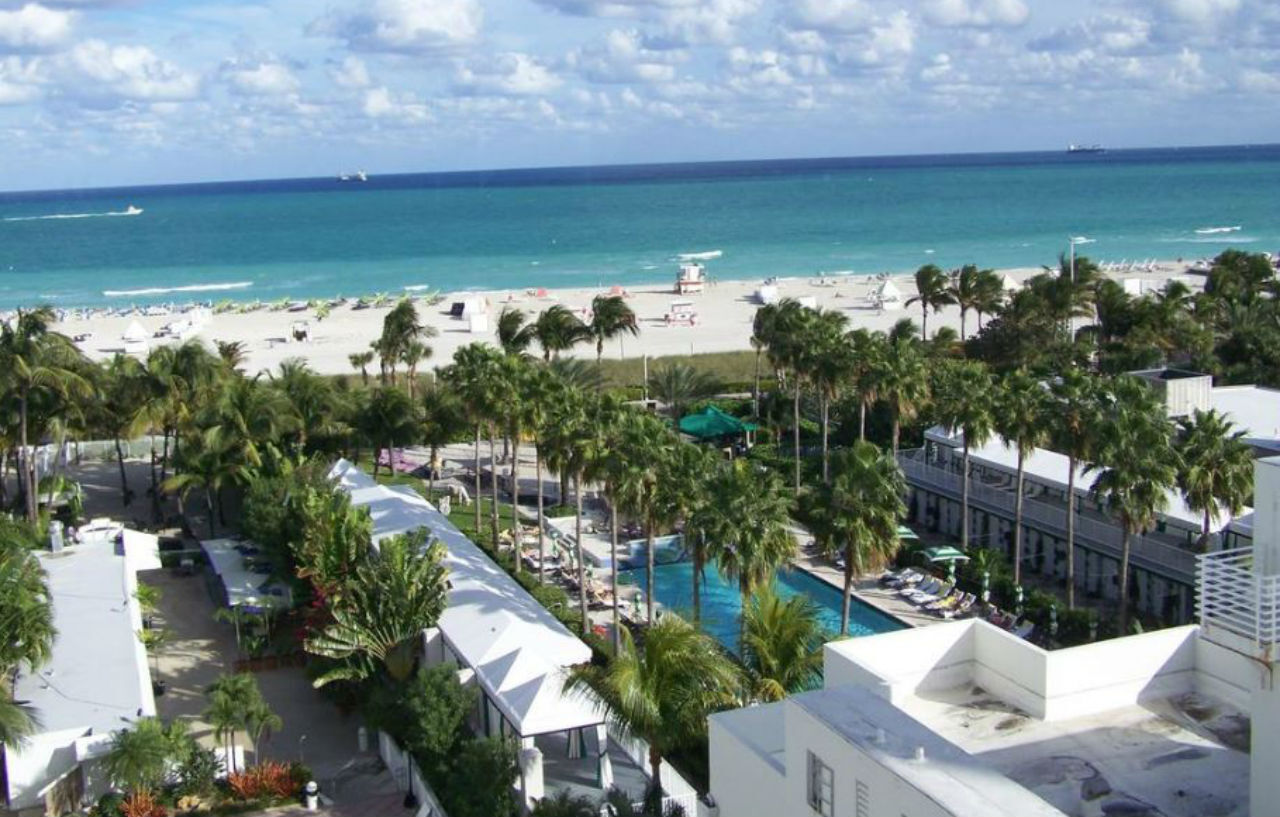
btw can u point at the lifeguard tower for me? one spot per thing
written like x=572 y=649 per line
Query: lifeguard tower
x=692 y=279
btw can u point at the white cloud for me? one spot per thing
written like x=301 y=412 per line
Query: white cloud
x=382 y=103
x=976 y=13
x=1259 y=82
x=19 y=80
x=404 y=25
x=624 y=57
x=506 y=74
x=1199 y=11
x=683 y=22
x=94 y=69
x=267 y=77
x=351 y=73
x=34 y=28
x=1114 y=34
x=830 y=15
x=886 y=44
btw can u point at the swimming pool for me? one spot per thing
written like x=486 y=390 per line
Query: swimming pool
x=722 y=606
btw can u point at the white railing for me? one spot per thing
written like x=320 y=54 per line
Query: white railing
x=1053 y=517
x=1232 y=597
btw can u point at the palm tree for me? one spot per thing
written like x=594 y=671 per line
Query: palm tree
x=867 y=355
x=966 y=292
x=903 y=383
x=662 y=692
x=400 y=328
x=395 y=594
x=761 y=339
x=361 y=361
x=791 y=350
x=684 y=473
x=138 y=757
x=1022 y=411
x=609 y=463
x=989 y=296
x=18 y=722
x=442 y=421
x=830 y=367
x=232 y=353
x=387 y=419
x=541 y=391
x=236 y=704
x=122 y=409
x=962 y=402
x=749 y=528
x=474 y=377
x=856 y=515
x=558 y=330
x=1077 y=412
x=1137 y=466
x=515 y=333
x=641 y=441
x=679 y=384
x=782 y=644
x=1216 y=469
x=26 y=619
x=37 y=360
x=411 y=355
x=611 y=318
x=932 y=292
x=208 y=463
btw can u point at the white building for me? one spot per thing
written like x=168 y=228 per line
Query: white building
x=964 y=719
x=97 y=681
x=1163 y=561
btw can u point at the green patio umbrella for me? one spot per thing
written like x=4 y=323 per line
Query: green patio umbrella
x=711 y=423
x=944 y=553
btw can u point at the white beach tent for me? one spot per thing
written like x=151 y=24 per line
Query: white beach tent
x=767 y=294
x=136 y=340
x=888 y=296
x=1009 y=284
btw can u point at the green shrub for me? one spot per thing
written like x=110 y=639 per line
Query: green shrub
x=198 y=772
x=481 y=778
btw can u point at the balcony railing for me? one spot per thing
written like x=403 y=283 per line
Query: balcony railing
x=1232 y=597
x=1143 y=550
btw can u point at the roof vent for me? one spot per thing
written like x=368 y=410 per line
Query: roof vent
x=919 y=754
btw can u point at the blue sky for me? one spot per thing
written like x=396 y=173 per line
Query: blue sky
x=99 y=92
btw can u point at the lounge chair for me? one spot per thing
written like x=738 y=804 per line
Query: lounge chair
x=1024 y=630
x=922 y=598
x=928 y=585
x=904 y=577
x=963 y=607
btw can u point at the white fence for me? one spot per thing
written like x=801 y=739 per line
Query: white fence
x=1234 y=598
x=405 y=772
x=676 y=790
x=1090 y=532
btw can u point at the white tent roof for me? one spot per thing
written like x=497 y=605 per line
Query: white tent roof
x=1009 y=284
x=518 y=650
x=244 y=587
x=135 y=333
x=889 y=291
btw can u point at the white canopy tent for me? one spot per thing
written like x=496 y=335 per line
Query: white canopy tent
x=1009 y=284
x=888 y=296
x=136 y=340
x=519 y=652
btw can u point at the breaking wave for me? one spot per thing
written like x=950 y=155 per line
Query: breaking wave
x=127 y=293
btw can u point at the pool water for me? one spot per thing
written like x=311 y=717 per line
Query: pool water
x=722 y=605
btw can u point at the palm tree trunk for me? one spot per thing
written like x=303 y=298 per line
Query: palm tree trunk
x=208 y=501
x=582 y=568
x=29 y=463
x=924 y=319
x=826 y=416
x=1017 y=528
x=477 y=476
x=1071 y=533
x=649 y=563
x=698 y=558
x=613 y=577
x=862 y=420
x=493 y=485
x=155 y=486
x=897 y=428
x=124 y=478
x=4 y=477
x=655 y=769
x=848 y=590
x=1124 y=581
x=795 y=432
x=431 y=473
x=755 y=390
x=515 y=498
x=542 y=541
x=964 y=499
x=963 y=311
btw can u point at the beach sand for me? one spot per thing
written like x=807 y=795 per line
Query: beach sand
x=725 y=311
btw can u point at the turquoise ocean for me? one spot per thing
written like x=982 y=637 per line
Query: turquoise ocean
x=589 y=226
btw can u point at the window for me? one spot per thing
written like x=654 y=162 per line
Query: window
x=821 y=787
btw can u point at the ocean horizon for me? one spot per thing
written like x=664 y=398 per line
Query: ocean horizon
x=628 y=224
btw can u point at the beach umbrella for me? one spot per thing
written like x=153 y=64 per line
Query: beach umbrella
x=944 y=553
x=135 y=333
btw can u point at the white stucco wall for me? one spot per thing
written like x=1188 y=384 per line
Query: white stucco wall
x=42 y=761
x=897 y=664
x=743 y=782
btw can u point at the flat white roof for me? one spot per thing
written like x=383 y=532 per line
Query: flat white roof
x=1254 y=409
x=97 y=678
x=519 y=651
x=244 y=587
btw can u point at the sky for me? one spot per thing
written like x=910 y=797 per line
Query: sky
x=112 y=92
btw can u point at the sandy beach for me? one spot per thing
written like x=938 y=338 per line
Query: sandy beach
x=724 y=315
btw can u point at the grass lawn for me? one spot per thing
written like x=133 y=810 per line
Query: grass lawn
x=725 y=367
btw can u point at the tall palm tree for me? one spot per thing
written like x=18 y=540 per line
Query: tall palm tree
x=1022 y=412
x=232 y=353
x=236 y=704
x=867 y=355
x=782 y=644
x=1137 y=466
x=209 y=463
x=966 y=292
x=761 y=339
x=1216 y=469
x=663 y=691
x=412 y=354
x=830 y=367
x=361 y=361
x=933 y=292
x=963 y=402
x=37 y=360
x=683 y=474
x=558 y=330
x=474 y=377
x=442 y=421
x=395 y=594
x=990 y=294
x=638 y=484
x=568 y=439
x=856 y=515
x=388 y=419
x=902 y=383
x=678 y=384
x=122 y=409
x=26 y=619
x=139 y=755
x=1077 y=411
x=515 y=333
x=541 y=391
x=749 y=531
x=791 y=351
x=611 y=317
x=608 y=466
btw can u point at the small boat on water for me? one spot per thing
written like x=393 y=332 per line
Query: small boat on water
x=1074 y=148
x=358 y=176
x=132 y=211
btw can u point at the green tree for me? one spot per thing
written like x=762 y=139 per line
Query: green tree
x=830 y=367
x=782 y=644
x=1137 y=466
x=1076 y=409
x=679 y=384
x=121 y=410
x=856 y=515
x=209 y=463
x=388 y=419
x=1215 y=473
x=515 y=333
x=933 y=291
x=611 y=317
x=966 y=292
x=26 y=619
x=565 y=803
x=139 y=756
x=361 y=361
x=236 y=704
x=1022 y=409
x=963 y=403
x=475 y=378
x=662 y=691
x=443 y=421
x=637 y=484
x=482 y=779
x=558 y=330
x=902 y=383
x=394 y=595
x=427 y=715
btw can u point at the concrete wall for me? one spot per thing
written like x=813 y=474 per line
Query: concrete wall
x=1107 y=675
x=897 y=664
x=743 y=783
